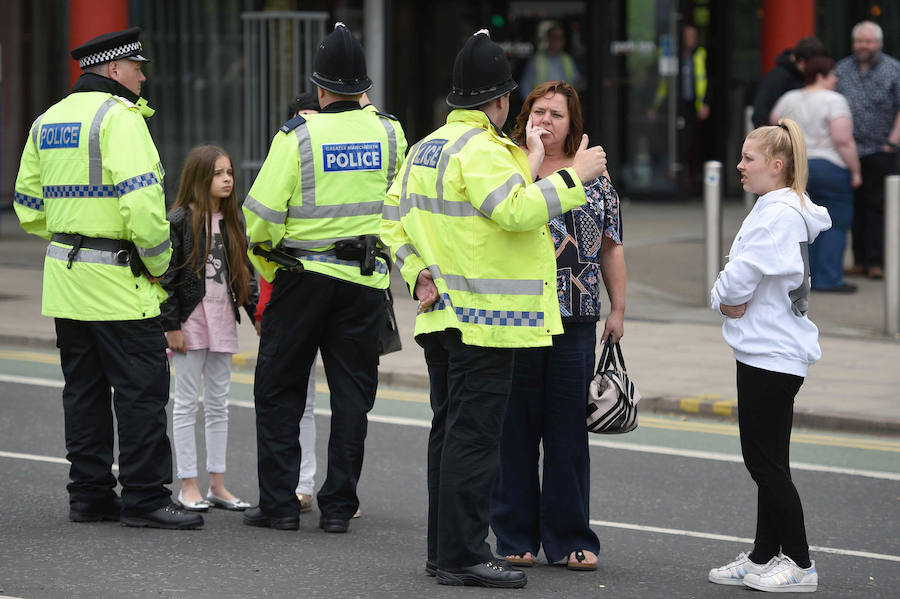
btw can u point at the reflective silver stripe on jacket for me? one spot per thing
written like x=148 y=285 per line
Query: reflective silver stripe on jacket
x=437 y=206
x=390 y=212
x=84 y=255
x=380 y=266
x=310 y=244
x=494 y=198
x=154 y=251
x=94 y=154
x=447 y=153
x=264 y=212
x=403 y=252
x=392 y=148
x=334 y=210
x=551 y=196
x=35 y=130
x=489 y=286
x=307 y=166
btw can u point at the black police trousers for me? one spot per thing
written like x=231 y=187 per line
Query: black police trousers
x=470 y=387
x=309 y=312
x=129 y=356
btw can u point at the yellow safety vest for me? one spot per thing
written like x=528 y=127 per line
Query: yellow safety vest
x=698 y=59
x=324 y=180
x=542 y=67
x=90 y=167
x=464 y=207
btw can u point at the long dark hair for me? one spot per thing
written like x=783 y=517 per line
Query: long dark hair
x=193 y=193
x=576 y=126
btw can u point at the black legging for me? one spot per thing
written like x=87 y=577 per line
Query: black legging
x=765 y=412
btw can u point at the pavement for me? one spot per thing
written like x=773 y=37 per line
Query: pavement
x=673 y=345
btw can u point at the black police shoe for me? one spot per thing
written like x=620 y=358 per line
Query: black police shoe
x=82 y=511
x=170 y=517
x=256 y=517
x=494 y=574
x=333 y=524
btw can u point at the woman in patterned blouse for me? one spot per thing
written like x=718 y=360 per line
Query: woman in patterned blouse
x=550 y=385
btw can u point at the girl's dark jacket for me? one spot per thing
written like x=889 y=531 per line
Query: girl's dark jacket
x=185 y=287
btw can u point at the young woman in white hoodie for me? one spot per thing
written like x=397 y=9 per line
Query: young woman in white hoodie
x=763 y=292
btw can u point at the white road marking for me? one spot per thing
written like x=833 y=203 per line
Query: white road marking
x=622 y=445
x=743 y=540
x=706 y=455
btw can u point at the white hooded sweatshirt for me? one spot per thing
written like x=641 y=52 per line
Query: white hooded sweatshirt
x=768 y=269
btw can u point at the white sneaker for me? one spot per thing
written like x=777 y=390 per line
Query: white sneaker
x=733 y=573
x=785 y=576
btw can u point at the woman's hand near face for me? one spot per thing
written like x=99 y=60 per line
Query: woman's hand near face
x=534 y=147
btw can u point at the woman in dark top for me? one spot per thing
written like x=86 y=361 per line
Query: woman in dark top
x=547 y=403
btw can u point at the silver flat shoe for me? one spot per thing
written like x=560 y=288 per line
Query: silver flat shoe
x=193 y=506
x=236 y=505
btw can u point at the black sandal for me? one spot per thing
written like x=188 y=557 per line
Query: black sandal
x=579 y=564
x=520 y=561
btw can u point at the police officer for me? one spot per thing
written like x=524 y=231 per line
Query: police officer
x=486 y=284
x=317 y=201
x=90 y=182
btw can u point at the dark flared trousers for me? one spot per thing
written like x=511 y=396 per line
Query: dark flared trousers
x=129 y=356
x=547 y=406
x=765 y=414
x=309 y=312
x=868 y=208
x=469 y=390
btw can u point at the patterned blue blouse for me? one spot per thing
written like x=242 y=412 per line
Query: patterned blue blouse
x=577 y=236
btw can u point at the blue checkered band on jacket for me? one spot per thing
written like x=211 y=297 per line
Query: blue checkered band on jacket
x=79 y=191
x=379 y=266
x=107 y=55
x=28 y=201
x=145 y=180
x=500 y=317
x=509 y=318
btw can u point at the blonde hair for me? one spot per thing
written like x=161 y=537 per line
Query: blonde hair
x=785 y=141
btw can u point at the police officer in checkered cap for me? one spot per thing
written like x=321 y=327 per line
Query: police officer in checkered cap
x=90 y=182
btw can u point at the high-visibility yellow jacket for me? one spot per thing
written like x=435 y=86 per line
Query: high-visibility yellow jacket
x=324 y=180
x=464 y=207
x=698 y=60
x=90 y=167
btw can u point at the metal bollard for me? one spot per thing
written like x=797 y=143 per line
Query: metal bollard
x=892 y=254
x=712 y=204
x=749 y=196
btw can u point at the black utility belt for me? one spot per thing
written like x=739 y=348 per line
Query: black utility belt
x=125 y=251
x=362 y=249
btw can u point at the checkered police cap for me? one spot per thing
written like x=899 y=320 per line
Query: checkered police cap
x=110 y=46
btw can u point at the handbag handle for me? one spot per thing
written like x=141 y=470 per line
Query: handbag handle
x=608 y=356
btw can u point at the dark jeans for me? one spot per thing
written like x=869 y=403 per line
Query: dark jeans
x=547 y=404
x=309 y=312
x=868 y=209
x=469 y=390
x=765 y=412
x=829 y=187
x=129 y=356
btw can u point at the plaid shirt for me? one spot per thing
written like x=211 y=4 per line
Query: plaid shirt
x=874 y=98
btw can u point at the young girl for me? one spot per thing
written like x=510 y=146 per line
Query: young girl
x=208 y=280
x=764 y=291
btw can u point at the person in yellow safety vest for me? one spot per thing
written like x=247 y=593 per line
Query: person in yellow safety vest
x=468 y=228
x=90 y=181
x=550 y=62
x=313 y=215
x=693 y=78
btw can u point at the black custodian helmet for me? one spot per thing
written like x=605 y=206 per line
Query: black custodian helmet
x=481 y=73
x=340 y=63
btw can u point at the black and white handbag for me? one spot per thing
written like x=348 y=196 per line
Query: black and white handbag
x=612 y=399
